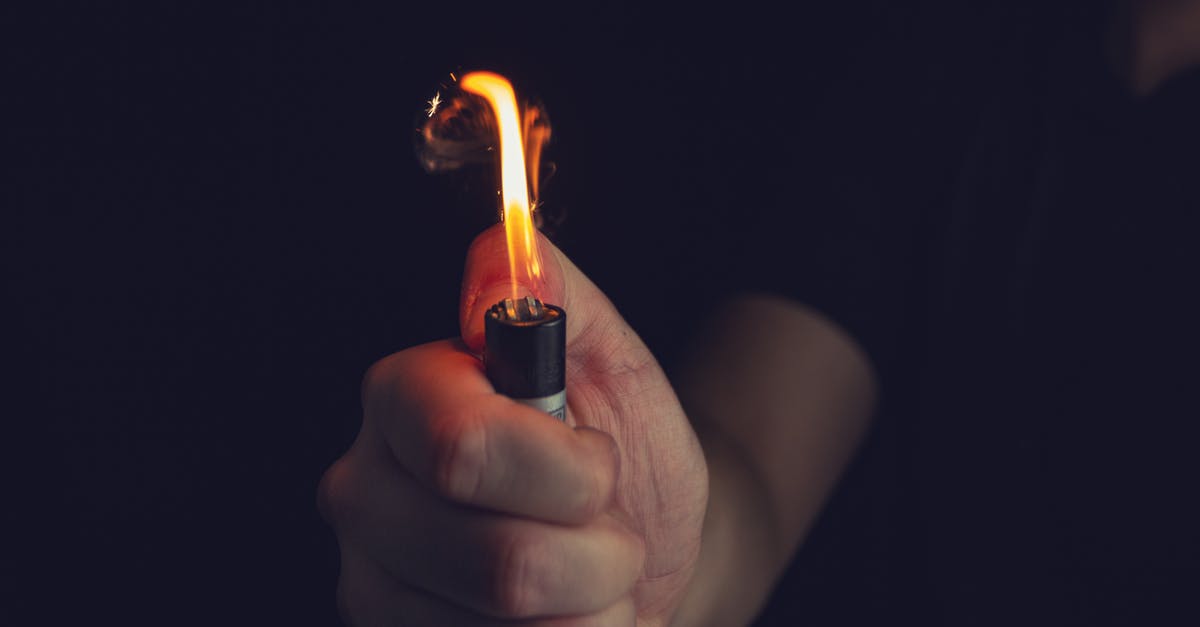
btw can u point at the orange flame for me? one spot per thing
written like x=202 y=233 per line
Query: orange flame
x=524 y=264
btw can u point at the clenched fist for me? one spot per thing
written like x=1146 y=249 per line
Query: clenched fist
x=457 y=506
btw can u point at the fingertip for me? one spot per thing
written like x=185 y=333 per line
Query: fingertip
x=471 y=323
x=485 y=270
x=487 y=280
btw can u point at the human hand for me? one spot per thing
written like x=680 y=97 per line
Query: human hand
x=458 y=506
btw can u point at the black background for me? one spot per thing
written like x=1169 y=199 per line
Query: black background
x=214 y=223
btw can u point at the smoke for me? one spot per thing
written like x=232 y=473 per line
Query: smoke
x=456 y=129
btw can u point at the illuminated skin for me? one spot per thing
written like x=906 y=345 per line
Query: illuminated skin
x=602 y=522
x=598 y=518
x=617 y=517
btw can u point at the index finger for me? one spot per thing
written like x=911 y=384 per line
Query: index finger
x=443 y=422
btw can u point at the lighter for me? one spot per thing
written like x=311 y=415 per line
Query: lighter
x=525 y=358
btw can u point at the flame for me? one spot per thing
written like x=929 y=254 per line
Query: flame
x=524 y=264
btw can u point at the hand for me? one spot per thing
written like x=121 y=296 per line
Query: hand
x=458 y=506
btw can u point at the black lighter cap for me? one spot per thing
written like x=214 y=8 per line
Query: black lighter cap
x=526 y=358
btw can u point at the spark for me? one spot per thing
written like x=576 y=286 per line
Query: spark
x=433 y=103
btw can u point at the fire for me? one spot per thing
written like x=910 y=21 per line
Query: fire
x=524 y=264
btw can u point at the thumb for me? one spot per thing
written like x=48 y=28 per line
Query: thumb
x=592 y=321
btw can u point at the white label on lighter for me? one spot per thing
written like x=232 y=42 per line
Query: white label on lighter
x=555 y=404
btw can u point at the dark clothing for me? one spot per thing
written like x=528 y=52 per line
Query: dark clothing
x=1027 y=295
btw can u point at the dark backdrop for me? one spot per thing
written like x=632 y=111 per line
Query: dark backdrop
x=214 y=222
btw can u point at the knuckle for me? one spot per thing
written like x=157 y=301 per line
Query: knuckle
x=592 y=497
x=604 y=482
x=595 y=499
x=513 y=588
x=375 y=379
x=598 y=474
x=460 y=459
x=334 y=494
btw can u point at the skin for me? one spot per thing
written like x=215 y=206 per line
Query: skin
x=655 y=503
x=781 y=398
x=458 y=506
x=1154 y=40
